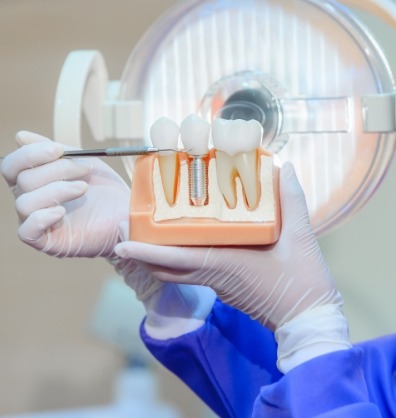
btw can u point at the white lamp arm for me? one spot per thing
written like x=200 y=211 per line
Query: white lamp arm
x=81 y=88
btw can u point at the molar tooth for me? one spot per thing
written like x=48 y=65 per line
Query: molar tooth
x=237 y=142
x=164 y=134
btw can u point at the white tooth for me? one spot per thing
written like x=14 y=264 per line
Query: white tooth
x=237 y=142
x=194 y=132
x=164 y=134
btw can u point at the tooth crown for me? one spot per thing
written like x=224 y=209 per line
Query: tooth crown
x=194 y=132
x=236 y=136
x=165 y=134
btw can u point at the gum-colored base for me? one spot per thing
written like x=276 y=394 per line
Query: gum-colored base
x=193 y=231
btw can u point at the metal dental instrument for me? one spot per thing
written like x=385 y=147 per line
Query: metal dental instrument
x=117 y=151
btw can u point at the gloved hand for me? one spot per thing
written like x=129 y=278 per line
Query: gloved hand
x=172 y=309
x=287 y=286
x=272 y=284
x=66 y=207
x=74 y=208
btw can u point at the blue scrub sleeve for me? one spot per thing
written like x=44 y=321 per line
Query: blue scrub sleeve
x=223 y=365
x=364 y=410
x=230 y=363
x=332 y=385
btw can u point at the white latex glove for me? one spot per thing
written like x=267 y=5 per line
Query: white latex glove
x=272 y=284
x=73 y=208
x=66 y=207
x=287 y=286
x=172 y=309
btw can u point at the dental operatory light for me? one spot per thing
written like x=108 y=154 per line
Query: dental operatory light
x=316 y=75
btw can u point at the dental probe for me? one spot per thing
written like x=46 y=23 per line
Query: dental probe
x=117 y=151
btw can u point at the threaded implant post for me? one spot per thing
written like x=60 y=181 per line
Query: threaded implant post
x=198 y=181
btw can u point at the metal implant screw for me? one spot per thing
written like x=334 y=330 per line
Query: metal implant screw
x=194 y=132
x=198 y=180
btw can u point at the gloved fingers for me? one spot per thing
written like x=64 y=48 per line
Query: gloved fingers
x=26 y=137
x=142 y=282
x=53 y=194
x=33 y=231
x=172 y=274
x=175 y=258
x=59 y=170
x=29 y=156
x=102 y=172
x=293 y=205
x=124 y=230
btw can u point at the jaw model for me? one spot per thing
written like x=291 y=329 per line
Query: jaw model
x=227 y=195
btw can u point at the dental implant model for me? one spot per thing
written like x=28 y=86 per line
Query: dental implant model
x=225 y=195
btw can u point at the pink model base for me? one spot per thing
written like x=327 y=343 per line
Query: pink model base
x=193 y=231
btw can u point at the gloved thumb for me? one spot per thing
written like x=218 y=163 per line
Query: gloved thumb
x=293 y=204
x=124 y=230
x=25 y=138
x=175 y=258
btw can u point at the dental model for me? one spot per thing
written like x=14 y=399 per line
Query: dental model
x=227 y=195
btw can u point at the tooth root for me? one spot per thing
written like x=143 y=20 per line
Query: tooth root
x=247 y=166
x=226 y=173
x=168 y=165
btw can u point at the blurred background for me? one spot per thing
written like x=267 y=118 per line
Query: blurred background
x=50 y=359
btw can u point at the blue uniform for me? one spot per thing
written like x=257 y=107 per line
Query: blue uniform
x=230 y=363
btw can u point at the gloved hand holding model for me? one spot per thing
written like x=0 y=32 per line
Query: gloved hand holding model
x=271 y=284
x=287 y=287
